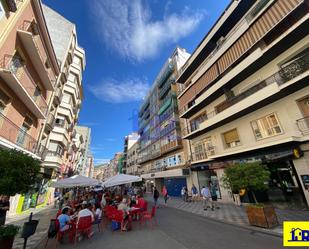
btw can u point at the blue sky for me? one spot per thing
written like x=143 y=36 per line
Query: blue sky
x=126 y=43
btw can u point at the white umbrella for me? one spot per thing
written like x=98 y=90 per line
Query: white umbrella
x=120 y=180
x=75 y=181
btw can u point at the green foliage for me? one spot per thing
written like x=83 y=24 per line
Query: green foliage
x=18 y=172
x=8 y=231
x=249 y=176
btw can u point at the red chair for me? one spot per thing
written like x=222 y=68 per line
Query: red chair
x=61 y=234
x=84 y=227
x=146 y=216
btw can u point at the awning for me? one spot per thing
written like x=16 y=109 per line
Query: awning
x=75 y=181
x=121 y=179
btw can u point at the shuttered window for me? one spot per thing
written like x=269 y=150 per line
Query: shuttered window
x=231 y=138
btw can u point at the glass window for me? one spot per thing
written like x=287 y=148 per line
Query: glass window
x=266 y=127
x=2 y=12
x=231 y=138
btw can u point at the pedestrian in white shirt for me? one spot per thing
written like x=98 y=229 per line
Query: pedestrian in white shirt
x=86 y=212
x=205 y=192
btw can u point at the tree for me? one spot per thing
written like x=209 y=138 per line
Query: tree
x=18 y=172
x=249 y=176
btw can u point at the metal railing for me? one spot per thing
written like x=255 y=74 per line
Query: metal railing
x=25 y=79
x=303 y=125
x=18 y=136
x=50 y=120
x=285 y=74
x=58 y=95
x=204 y=154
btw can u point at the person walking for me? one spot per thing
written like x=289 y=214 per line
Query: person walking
x=206 y=197
x=155 y=195
x=165 y=194
x=213 y=193
x=194 y=193
x=183 y=193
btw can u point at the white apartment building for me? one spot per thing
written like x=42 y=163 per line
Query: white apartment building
x=64 y=109
x=246 y=98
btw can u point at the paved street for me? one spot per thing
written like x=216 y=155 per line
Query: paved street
x=183 y=230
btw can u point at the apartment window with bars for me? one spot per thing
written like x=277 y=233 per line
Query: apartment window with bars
x=267 y=126
x=231 y=138
x=199 y=151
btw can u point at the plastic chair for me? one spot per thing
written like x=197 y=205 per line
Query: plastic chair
x=118 y=217
x=147 y=216
x=84 y=226
x=60 y=234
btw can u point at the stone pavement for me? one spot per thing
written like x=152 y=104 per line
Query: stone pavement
x=43 y=215
x=232 y=214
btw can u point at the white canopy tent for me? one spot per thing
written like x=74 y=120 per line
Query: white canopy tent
x=120 y=180
x=75 y=181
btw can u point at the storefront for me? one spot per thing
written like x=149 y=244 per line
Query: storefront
x=173 y=179
x=285 y=185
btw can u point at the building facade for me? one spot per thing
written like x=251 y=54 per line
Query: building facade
x=133 y=167
x=128 y=143
x=162 y=157
x=82 y=160
x=245 y=97
x=65 y=105
x=28 y=73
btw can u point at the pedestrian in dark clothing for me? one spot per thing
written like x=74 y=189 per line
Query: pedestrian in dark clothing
x=4 y=207
x=155 y=195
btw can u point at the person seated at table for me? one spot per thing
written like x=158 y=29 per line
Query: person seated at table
x=76 y=211
x=64 y=219
x=140 y=202
x=125 y=209
x=86 y=211
x=103 y=201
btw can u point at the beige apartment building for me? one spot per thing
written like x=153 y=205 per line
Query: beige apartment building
x=132 y=165
x=63 y=152
x=28 y=74
x=245 y=98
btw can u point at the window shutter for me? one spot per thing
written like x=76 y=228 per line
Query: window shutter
x=231 y=136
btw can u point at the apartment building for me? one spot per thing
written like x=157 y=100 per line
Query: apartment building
x=128 y=142
x=83 y=149
x=245 y=97
x=28 y=73
x=133 y=167
x=162 y=157
x=65 y=107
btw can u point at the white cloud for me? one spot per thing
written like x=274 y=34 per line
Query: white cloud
x=128 y=27
x=100 y=161
x=115 y=91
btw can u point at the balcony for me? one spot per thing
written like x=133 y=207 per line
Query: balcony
x=58 y=96
x=50 y=122
x=205 y=154
x=170 y=127
x=294 y=71
x=20 y=138
x=29 y=34
x=53 y=159
x=21 y=82
x=166 y=87
x=171 y=146
x=303 y=125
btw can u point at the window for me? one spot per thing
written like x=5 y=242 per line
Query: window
x=60 y=122
x=4 y=100
x=199 y=151
x=59 y=150
x=266 y=127
x=231 y=138
x=22 y=135
x=67 y=98
x=16 y=63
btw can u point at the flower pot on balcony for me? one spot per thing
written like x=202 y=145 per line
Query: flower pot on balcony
x=261 y=216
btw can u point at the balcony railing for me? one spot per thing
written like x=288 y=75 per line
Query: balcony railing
x=32 y=27
x=204 y=154
x=303 y=125
x=16 y=135
x=170 y=146
x=166 y=87
x=58 y=95
x=23 y=75
x=285 y=74
x=50 y=121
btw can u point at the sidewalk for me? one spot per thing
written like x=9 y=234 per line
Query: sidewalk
x=43 y=215
x=230 y=213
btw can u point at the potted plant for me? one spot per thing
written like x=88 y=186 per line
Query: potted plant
x=7 y=234
x=251 y=177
